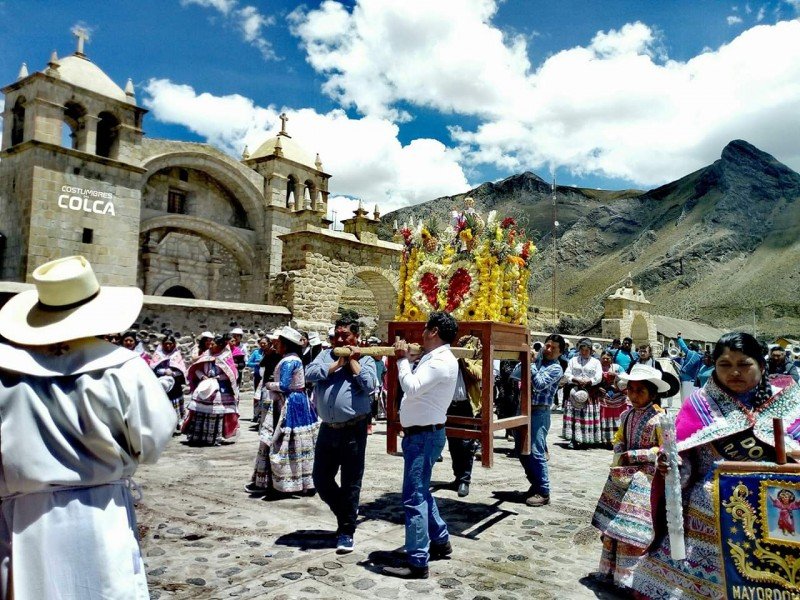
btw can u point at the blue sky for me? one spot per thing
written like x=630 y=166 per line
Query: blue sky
x=410 y=100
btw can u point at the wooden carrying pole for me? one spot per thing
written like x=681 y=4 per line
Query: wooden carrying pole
x=389 y=351
x=499 y=341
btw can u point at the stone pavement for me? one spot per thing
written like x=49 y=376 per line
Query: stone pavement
x=203 y=537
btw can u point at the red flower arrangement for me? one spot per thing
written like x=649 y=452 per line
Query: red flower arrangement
x=458 y=289
x=406 y=233
x=508 y=222
x=429 y=284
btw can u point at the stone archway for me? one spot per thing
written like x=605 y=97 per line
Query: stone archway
x=373 y=296
x=241 y=182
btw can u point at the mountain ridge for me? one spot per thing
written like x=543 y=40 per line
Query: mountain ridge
x=715 y=245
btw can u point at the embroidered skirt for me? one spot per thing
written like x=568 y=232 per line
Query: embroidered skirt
x=582 y=425
x=611 y=410
x=210 y=429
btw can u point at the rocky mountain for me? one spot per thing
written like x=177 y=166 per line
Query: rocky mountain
x=719 y=245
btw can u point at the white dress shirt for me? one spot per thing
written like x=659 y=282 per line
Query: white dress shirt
x=429 y=389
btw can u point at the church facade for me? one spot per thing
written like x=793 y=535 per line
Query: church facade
x=177 y=219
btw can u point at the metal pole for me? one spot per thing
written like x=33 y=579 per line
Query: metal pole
x=555 y=253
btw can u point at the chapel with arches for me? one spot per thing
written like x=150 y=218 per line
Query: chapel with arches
x=79 y=176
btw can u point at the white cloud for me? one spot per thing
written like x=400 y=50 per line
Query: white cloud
x=761 y=13
x=734 y=20
x=617 y=106
x=247 y=19
x=364 y=155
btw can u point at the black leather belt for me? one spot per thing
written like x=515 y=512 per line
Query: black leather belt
x=349 y=423
x=414 y=429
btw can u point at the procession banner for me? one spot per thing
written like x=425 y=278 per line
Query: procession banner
x=758 y=516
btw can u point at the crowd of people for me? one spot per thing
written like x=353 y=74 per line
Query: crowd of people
x=314 y=405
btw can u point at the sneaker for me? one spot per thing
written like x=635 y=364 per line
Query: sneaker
x=440 y=551
x=345 y=544
x=537 y=500
x=255 y=490
x=463 y=490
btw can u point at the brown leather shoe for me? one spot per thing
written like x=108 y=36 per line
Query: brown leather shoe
x=538 y=500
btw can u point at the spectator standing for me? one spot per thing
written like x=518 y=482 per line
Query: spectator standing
x=624 y=356
x=79 y=415
x=690 y=367
x=780 y=369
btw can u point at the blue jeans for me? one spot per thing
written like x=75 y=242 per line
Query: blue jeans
x=423 y=523
x=535 y=464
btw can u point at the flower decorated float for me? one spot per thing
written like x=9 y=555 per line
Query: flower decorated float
x=476 y=269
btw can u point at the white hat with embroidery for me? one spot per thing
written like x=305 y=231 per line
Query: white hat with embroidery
x=68 y=304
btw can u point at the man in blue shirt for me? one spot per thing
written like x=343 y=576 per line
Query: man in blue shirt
x=692 y=361
x=625 y=356
x=342 y=392
x=546 y=372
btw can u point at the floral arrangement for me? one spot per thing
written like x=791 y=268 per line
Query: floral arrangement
x=477 y=270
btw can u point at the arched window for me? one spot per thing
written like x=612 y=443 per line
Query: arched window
x=72 y=126
x=291 y=186
x=18 y=122
x=107 y=135
x=178 y=291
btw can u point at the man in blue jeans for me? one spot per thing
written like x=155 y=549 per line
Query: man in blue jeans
x=546 y=372
x=428 y=392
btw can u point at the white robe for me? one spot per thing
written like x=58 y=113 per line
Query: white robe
x=75 y=422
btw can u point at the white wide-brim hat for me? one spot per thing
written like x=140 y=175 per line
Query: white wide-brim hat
x=313 y=339
x=68 y=304
x=288 y=333
x=644 y=373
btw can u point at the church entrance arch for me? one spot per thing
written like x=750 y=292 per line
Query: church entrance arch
x=373 y=297
x=178 y=291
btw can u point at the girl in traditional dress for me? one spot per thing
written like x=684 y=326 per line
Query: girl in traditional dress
x=168 y=365
x=288 y=434
x=582 y=398
x=613 y=401
x=213 y=411
x=729 y=419
x=623 y=511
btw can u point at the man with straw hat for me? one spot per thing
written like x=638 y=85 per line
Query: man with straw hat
x=78 y=415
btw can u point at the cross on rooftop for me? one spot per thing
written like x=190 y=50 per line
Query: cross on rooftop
x=283 y=119
x=83 y=36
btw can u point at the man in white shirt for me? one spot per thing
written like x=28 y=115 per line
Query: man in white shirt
x=428 y=392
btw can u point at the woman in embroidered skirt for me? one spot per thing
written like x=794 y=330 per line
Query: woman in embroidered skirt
x=582 y=398
x=167 y=363
x=288 y=434
x=213 y=411
x=729 y=419
x=623 y=511
x=613 y=401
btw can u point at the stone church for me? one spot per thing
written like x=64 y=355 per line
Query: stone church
x=177 y=219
